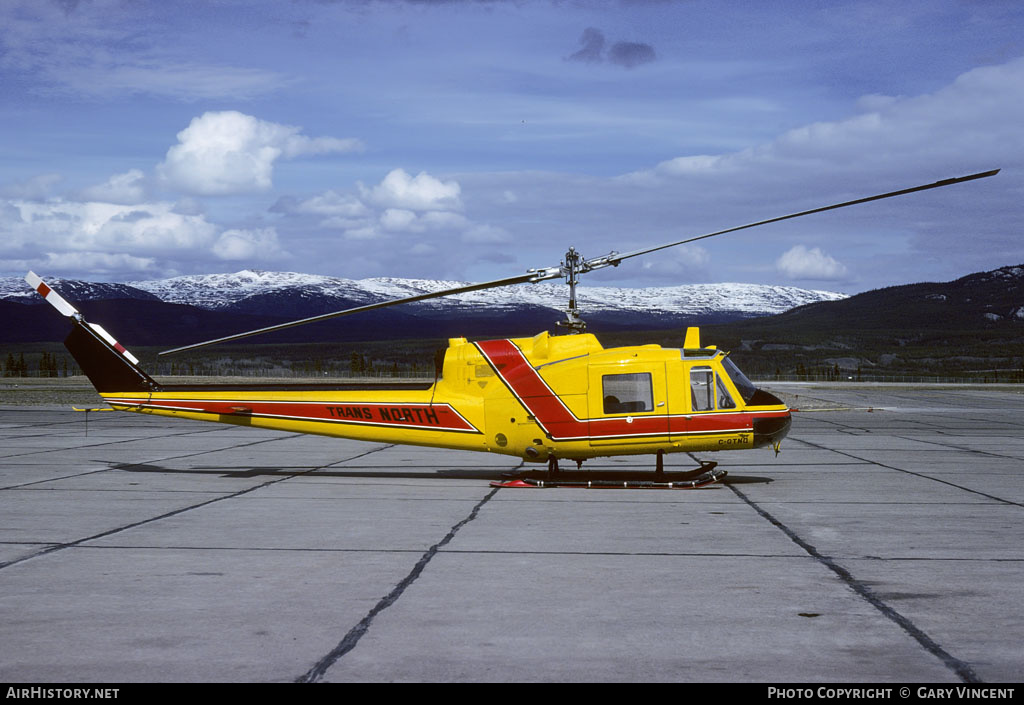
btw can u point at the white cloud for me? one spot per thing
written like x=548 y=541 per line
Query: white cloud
x=398 y=219
x=251 y=245
x=333 y=204
x=691 y=165
x=972 y=120
x=401 y=220
x=420 y=193
x=95 y=238
x=362 y=232
x=98 y=263
x=150 y=229
x=126 y=188
x=684 y=263
x=802 y=263
x=223 y=153
x=399 y=205
x=35 y=188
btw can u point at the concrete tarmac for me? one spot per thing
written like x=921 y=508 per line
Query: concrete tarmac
x=879 y=546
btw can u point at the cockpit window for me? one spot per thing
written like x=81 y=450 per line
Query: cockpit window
x=745 y=387
x=702 y=389
x=708 y=391
x=724 y=398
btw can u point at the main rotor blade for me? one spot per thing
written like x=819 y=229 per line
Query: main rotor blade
x=522 y=278
x=614 y=259
x=536 y=275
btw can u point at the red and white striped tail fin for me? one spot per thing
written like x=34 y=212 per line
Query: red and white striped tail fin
x=62 y=305
x=113 y=343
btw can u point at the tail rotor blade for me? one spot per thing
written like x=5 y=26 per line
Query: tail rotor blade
x=51 y=296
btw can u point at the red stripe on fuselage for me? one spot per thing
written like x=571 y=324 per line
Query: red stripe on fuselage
x=434 y=417
x=530 y=388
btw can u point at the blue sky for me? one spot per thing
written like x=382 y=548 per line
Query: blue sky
x=474 y=140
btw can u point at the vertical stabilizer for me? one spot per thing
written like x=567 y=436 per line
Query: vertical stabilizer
x=107 y=364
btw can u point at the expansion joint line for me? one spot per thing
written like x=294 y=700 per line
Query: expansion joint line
x=357 y=632
x=119 y=529
x=110 y=443
x=916 y=474
x=962 y=669
x=954 y=446
x=128 y=465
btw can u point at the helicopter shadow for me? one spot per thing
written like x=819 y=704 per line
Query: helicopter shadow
x=283 y=472
x=438 y=473
x=746 y=480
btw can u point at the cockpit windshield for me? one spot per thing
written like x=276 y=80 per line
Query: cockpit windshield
x=744 y=386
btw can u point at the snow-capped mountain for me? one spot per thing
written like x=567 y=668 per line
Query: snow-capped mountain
x=185 y=309
x=15 y=289
x=231 y=291
x=222 y=292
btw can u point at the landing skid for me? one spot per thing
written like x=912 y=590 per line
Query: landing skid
x=706 y=474
x=706 y=466
x=705 y=478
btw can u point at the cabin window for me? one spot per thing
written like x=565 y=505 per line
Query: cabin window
x=702 y=386
x=627 y=394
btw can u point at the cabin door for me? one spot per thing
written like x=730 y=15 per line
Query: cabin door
x=711 y=421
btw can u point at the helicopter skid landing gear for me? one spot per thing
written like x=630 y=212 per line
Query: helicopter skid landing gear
x=706 y=466
x=706 y=474
x=706 y=478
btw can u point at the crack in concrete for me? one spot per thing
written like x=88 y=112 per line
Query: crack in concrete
x=60 y=546
x=357 y=632
x=915 y=474
x=962 y=669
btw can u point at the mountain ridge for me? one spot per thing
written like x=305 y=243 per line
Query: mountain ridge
x=229 y=291
x=209 y=306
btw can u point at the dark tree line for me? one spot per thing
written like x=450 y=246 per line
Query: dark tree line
x=48 y=365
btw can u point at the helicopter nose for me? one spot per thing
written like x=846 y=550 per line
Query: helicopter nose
x=770 y=430
x=763 y=398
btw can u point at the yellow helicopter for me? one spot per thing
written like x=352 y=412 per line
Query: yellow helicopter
x=542 y=399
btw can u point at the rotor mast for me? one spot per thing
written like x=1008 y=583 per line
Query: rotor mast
x=571 y=271
x=571 y=268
